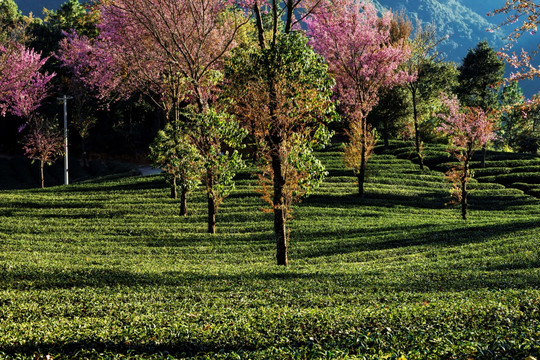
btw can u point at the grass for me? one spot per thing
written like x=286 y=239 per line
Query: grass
x=108 y=269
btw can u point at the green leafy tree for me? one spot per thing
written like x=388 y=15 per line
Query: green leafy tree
x=432 y=78
x=520 y=120
x=182 y=164
x=10 y=20
x=391 y=114
x=480 y=75
x=212 y=134
x=281 y=93
x=511 y=98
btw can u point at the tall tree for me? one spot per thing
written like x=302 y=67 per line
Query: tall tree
x=480 y=76
x=287 y=126
x=469 y=129
x=275 y=20
x=357 y=45
x=423 y=54
x=391 y=111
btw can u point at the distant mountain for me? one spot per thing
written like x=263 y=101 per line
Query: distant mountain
x=465 y=23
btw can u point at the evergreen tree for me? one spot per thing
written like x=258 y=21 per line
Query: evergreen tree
x=479 y=77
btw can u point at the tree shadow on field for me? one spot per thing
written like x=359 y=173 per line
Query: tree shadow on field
x=489 y=276
x=424 y=200
x=92 y=348
x=358 y=239
x=420 y=199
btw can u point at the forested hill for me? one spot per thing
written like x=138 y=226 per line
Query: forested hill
x=463 y=21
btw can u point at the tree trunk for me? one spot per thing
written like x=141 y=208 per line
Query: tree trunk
x=484 y=152
x=183 y=201
x=362 y=174
x=41 y=165
x=174 y=194
x=416 y=133
x=280 y=215
x=464 y=189
x=85 y=162
x=360 y=178
x=276 y=142
x=211 y=215
x=212 y=208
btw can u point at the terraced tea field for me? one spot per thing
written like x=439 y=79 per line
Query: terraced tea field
x=108 y=269
x=520 y=171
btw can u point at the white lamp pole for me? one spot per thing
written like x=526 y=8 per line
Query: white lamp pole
x=64 y=99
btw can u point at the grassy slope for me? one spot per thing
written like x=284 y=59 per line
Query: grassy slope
x=109 y=269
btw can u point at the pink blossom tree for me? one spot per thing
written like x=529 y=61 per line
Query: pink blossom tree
x=22 y=90
x=527 y=14
x=170 y=50
x=469 y=129
x=357 y=44
x=43 y=142
x=22 y=86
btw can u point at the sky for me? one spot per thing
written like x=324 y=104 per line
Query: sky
x=36 y=6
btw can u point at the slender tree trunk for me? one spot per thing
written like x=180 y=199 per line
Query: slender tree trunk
x=280 y=215
x=280 y=212
x=211 y=215
x=41 y=165
x=464 y=189
x=484 y=152
x=212 y=208
x=416 y=133
x=362 y=174
x=359 y=177
x=174 y=194
x=85 y=162
x=183 y=201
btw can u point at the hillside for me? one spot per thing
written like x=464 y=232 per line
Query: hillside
x=109 y=270
x=464 y=25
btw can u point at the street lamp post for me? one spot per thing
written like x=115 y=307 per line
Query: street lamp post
x=64 y=99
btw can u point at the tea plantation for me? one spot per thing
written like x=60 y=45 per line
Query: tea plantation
x=108 y=269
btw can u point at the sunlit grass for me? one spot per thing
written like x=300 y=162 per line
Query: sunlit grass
x=110 y=270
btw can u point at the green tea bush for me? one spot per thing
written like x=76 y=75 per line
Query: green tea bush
x=107 y=269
